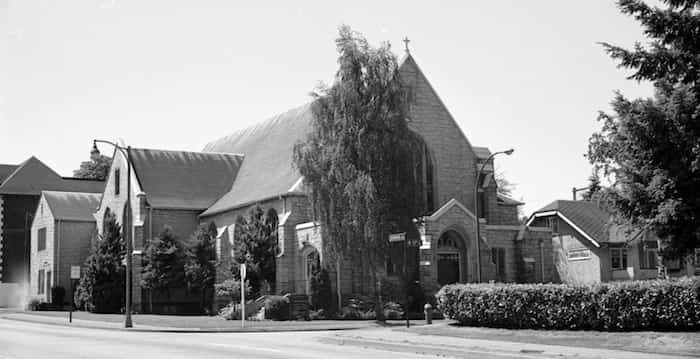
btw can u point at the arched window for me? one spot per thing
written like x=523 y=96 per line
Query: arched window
x=423 y=171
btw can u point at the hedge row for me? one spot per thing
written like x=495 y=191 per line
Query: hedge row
x=637 y=305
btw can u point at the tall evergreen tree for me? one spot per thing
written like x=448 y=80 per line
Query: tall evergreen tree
x=200 y=266
x=649 y=148
x=359 y=159
x=101 y=288
x=163 y=260
x=256 y=246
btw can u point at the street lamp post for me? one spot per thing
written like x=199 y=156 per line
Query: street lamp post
x=476 y=209
x=126 y=152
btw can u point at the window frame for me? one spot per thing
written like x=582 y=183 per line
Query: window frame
x=41 y=239
x=621 y=255
x=41 y=282
x=498 y=258
x=644 y=262
x=117 y=181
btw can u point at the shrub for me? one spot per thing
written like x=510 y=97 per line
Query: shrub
x=230 y=312
x=231 y=288
x=34 y=304
x=277 y=307
x=637 y=305
x=58 y=294
x=393 y=311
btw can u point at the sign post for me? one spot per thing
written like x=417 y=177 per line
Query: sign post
x=74 y=275
x=243 y=273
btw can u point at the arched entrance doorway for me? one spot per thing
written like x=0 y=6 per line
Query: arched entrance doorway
x=451 y=258
x=312 y=264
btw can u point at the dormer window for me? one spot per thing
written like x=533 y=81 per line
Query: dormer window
x=117 y=179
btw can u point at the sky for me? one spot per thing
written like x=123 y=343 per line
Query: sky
x=528 y=75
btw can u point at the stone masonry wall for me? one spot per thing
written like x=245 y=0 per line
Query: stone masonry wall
x=454 y=159
x=44 y=259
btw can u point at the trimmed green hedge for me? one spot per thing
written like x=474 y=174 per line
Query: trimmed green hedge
x=636 y=305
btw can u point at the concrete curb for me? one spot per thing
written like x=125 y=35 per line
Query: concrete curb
x=467 y=348
x=88 y=324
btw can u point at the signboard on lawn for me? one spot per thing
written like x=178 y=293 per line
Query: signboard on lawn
x=397 y=237
x=74 y=272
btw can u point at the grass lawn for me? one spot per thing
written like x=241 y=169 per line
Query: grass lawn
x=674 y=343
x=209 y=322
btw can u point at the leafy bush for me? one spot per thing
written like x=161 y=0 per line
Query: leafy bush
x=231 y=288
x=34 y=304
x=230 y=312
x=393 y=310
x=318 y=314
x=58 y=294
x=638 y=305
x=277 y=307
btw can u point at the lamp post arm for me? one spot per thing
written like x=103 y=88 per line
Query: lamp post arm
x=128 y=228
x=476 y=211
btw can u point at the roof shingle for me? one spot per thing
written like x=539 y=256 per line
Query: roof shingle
x=184 y=180
x=268 y=168
x=72 y=206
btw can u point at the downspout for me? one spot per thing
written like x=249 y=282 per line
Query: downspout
x=542 y=259
x=56 y=254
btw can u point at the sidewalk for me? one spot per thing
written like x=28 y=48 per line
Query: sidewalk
x=173 y=323
x=676 y=343
x=412 y=341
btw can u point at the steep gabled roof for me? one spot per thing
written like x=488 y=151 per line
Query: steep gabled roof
x=184 y=180
x=33 y=176
x=268 y=169
x=584 y=216
x=482 y=153
x=507 y=201
x=6 y=171
x=72 y=206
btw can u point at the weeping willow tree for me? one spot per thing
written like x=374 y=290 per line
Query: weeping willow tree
x=359 y=161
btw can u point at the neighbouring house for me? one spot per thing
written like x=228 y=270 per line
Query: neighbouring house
x=62 y=234
x=589 y=248
x=20 y=190
x=254 y=166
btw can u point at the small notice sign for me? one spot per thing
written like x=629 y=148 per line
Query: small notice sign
x=74 y=272
x=397 y=237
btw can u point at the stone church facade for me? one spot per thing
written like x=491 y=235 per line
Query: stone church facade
x=254 y=167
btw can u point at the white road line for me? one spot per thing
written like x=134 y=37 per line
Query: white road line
x=247 y=347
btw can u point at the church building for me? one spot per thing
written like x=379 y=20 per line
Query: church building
x=254 y=166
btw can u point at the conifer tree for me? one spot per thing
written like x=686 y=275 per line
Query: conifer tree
x=649 y=149
x=200 y=266
x=163 y=263
x=101 y=288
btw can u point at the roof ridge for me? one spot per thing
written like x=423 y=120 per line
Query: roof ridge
x=258 y=124
x=22 y=165
x=184 y=151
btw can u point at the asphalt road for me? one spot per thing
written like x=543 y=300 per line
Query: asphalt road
x=31 y=340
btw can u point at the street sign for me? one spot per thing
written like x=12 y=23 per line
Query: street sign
x=243 y=272
x=397 y=237
x=74 y=272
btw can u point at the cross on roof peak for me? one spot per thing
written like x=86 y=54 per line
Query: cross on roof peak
x=406 y=41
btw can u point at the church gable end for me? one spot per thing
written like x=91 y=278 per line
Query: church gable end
x=455 y=161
